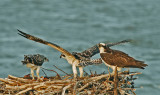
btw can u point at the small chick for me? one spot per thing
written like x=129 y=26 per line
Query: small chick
x=34 y=62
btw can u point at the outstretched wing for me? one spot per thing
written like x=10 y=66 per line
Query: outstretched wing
x=94 y=50
x=87 y=53
x=36 y=39
x=123 y=41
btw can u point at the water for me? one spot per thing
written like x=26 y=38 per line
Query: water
x=77 y=25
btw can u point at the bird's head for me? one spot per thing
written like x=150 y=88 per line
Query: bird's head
x=63 y=56
x=40 y=58
x=46 y=59
x=27 y=59
x=102 y=47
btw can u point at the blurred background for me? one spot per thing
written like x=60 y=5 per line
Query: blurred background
x=77 y=25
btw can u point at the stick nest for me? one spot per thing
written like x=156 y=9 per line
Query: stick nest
x=121 y=83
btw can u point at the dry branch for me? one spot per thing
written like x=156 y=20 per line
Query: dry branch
x=19 y=79
x=23 y=91
x=65 y=88
x=61 y=70
x=7 y=81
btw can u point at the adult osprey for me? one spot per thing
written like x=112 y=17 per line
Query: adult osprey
x=88 y=53
x=34 y=62
x=113 y=58
x=74 y=58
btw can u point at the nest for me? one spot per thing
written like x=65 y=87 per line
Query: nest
x=121 y=83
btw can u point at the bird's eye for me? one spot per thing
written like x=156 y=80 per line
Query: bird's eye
x=46 y=59
x=62 y=56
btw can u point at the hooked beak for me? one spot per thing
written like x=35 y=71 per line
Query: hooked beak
x=60 y=56
x=46 y=59
x=98 y=45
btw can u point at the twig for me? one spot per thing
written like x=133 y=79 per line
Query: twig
x=91 y=72
x=19 y=79
x=65 y=88
x=86 y=72
x=100 y=77
x=83 y=87
x=134 y=74
x=7 y=81
x=23 y=91
x=22 y=86
x=44 y=72
x=52 y=71
x=93 y=79
x=75 y=86
x=58 y=82
x=95 y=73
x=133 y=92
x=130 y=73
x=66 y=77
x=61 y=70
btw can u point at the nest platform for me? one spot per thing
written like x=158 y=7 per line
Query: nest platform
x=121 y=83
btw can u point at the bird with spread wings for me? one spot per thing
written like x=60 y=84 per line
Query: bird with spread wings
x=75 y=59
x=85 y=56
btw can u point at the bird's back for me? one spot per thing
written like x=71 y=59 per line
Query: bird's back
x=36 y=59
x=121 y=59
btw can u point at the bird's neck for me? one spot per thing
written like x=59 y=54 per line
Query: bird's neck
x=104 y=50
x=70 y=59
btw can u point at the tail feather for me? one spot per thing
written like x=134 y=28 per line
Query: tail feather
x=141 y=64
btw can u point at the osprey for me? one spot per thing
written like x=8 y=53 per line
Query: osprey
x=75 y=59
x=87 y=54
x=34 y=62
x=113 y=58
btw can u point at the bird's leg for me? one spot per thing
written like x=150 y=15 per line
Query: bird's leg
x=74 y=70
x=37 y=72
x=32 y=73
x=113 y=70
x=128 y=71
x=108 y=71
x=81 y=71
x=109 y=74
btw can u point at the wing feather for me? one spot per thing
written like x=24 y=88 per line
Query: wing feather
x=114 y=60
x=121 y=59
x=91 y=62
x=117 y=43
x=36 y=39
x=88 y=53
